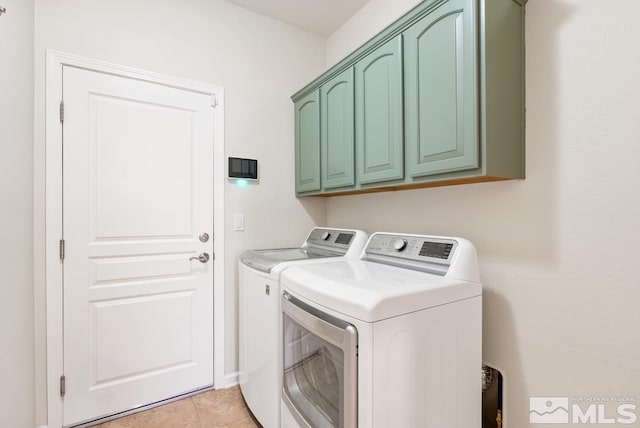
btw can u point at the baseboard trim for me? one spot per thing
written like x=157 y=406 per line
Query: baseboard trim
x=231 y=379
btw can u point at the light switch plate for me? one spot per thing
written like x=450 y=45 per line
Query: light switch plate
x=238 y=222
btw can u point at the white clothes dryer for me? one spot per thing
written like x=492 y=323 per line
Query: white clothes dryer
x=393 y=339
x=260 y=347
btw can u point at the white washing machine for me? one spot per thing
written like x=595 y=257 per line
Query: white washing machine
x=260 y=353
x=393 y=339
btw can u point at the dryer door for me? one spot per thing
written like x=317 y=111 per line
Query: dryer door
x=320 y=366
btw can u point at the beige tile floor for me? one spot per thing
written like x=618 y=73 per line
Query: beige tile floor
x=211 y=409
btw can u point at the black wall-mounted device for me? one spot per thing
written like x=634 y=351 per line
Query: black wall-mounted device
x=243 y=168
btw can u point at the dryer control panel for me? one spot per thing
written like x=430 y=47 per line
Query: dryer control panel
x=428 y=253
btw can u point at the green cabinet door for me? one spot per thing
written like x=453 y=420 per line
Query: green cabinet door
x=337 y=136
x=441 y=102
x=307 y=143
x=378 y=81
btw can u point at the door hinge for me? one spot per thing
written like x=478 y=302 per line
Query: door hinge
x=61 y=111
x=62 y=385
x=214 y=100
x=62 y=250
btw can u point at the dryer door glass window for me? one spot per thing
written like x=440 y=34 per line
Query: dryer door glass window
x=320 y=366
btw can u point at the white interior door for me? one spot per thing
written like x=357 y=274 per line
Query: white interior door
x=137 y=194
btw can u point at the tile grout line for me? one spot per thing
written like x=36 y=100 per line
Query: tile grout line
x=193 y=403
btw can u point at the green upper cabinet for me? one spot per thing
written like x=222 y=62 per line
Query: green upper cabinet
x=378 y=79
x=337 y=131
x=307 y=143
x=440 y=93
x=434 y=99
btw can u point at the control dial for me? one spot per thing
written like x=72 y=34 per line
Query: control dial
x=325 y=236
x=399 y=244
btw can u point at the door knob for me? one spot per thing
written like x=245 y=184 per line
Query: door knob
x=204 y=237
x=202 y=258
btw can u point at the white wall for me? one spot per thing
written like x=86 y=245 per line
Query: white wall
x=558 y=251
x=259 y=61
x=16 y=215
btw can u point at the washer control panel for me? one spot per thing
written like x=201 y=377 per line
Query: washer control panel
x=411 y=249
x=330 y=238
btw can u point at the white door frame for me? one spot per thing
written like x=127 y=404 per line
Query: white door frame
x=53 y=211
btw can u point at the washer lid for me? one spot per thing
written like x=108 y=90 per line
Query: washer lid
x=265 y=260
x=371 y=291
x=320 y=243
